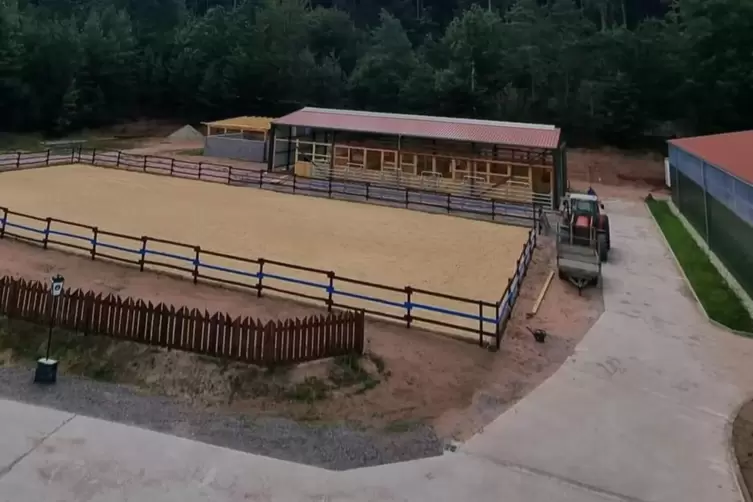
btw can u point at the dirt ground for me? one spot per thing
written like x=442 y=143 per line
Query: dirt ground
x=615 y=168
x=419 y=376
x=452 y=385
x=365 y=242
x=522 y=363
x=616 y=173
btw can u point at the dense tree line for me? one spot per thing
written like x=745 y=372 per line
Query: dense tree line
x=607 y=70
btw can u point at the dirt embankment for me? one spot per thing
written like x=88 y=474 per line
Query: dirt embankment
x=409 y=376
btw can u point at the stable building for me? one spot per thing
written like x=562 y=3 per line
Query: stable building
x=711 y=178
x=506 y=161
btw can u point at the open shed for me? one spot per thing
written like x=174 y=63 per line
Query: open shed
x=240 y=138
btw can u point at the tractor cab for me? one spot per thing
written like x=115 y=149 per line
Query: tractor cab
x=584 y=222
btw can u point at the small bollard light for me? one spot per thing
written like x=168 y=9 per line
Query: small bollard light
x=47 y=369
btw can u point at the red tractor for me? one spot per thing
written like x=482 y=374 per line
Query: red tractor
x=583 y=222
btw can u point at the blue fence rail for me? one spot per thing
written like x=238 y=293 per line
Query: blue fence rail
x=408 y=305
x=412 y=198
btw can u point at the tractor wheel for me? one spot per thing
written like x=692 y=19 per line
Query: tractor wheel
x=602 y=247
x=606 y=232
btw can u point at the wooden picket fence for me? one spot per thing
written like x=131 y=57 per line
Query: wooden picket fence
x=222 y=335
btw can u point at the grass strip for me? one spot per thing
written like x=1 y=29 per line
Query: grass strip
x=719 y=300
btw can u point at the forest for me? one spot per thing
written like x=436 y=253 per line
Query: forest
x=606 y=71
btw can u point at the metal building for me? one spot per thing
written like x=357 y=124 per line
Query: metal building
x=505 y=161
x=712 y=185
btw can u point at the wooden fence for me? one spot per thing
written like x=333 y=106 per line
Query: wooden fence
x=221 y=335
x=409 y=305
x=412 y=306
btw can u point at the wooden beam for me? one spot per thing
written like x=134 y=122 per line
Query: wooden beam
x=540 y=298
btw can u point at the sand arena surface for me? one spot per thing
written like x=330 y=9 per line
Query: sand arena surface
x=389 y=246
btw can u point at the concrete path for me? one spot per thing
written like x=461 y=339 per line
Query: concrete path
x=641 y=412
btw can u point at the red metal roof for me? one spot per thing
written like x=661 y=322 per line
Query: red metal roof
x=732 y=151
x=423 y=126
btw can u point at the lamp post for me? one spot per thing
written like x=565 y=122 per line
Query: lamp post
x=47 y=369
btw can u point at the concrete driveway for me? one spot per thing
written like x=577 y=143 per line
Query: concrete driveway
x=641 y=412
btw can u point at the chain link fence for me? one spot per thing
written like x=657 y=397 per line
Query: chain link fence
x=720 y=207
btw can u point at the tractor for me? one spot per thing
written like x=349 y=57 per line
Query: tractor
x=583 y=222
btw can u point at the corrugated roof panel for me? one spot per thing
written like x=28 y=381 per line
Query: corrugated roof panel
x=420 y=126
x=731 y=151
x=242 y=123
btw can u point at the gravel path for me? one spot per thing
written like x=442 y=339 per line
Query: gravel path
x=337 y=447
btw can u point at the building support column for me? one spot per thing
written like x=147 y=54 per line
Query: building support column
x=399 y=160
x=559 y=178
x=271 y=148
x=291 y=131
x=474 y=156
x=332 y=155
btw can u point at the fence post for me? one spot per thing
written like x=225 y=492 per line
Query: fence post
x=144 y=238
x=88 y=312
x=494 y=209
x=47 y=161
x=368 y=185
x=360 y=321
x=330 y=290
x=480 y=324
x=408 y=306
x=705 y=201
x=12 y=298
x=18 y=160
x=196 y=262
x=229 y=174
x=294 y=178
x=261 y=179
x=259 y=285
x=497 y=323
x=329 y=191
x=46 y=239
x=117 y=161
x=3 y=286
x=94 y=155
x=95 y=234
x=172 y=167
x=449 y=203
x=199 y=170
x=73 y=154
x=5 y=220
x=406 y=197
x=269 y=343
x=144 y=167
x=533 y=216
